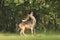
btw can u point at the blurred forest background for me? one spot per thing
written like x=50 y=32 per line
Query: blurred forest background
x=47 y=13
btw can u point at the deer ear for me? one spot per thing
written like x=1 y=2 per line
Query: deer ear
x=31 y=13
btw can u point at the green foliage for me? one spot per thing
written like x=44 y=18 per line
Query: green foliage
x=45 y=11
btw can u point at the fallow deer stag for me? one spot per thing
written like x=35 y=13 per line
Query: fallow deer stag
x=27 y=24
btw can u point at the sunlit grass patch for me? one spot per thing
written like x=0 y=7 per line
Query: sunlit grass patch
x=29 y=37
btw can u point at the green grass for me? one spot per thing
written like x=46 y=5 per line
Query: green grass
x=8 y=36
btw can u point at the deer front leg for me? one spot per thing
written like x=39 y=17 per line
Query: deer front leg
x=23 y=31
x=32 y=31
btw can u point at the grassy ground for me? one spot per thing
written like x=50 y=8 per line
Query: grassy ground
x=8 y=36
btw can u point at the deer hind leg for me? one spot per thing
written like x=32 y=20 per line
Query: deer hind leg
x=22 y=31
